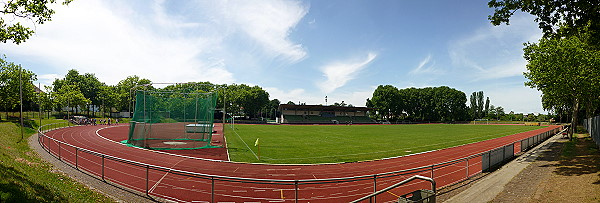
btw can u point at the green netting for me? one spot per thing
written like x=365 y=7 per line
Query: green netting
x=172 y=120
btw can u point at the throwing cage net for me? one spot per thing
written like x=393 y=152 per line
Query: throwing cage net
x=172 y=120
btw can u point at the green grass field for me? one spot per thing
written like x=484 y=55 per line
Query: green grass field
x=294 y=144
x=25 y=177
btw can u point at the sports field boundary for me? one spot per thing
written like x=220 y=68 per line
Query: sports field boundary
x=444 y=171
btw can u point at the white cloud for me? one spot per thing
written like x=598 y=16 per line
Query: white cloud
x=269 y=23
x=489 y=52
x=337 y=74
x=426 y=66
x=162 y=41
x=92 y=36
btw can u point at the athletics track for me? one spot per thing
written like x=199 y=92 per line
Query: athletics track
x=185 y=179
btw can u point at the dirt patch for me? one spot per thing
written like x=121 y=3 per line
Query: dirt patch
x=25 y=161
x=569 y=171
x=576 y=178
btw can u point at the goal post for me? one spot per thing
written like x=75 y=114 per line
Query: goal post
x=177 y=119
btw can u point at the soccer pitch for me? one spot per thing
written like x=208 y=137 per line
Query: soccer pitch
x=309 y=144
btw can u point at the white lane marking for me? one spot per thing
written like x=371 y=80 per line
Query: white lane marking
x=163 y=177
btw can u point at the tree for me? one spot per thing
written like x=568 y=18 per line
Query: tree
x=385 y=99
x=32 y=10
x=420 y=104
x=11 y=77
x=70 y=96
x=124 y=97
x=47 y=100
x=566 y=70
x=107 y=95
x=478 y=108
x=473 y=104
x=487 y=109
x=556 y=18
x=87 y=84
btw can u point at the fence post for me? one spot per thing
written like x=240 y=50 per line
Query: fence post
x=76 y=158
x=103 y=167
x=212 y=189
x=296 y=189
x=467 y=168
x=375 y=185
x=147 y=178
x=58 y=144
x=431 y=171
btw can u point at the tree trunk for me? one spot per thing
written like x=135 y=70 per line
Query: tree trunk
x=574 y=118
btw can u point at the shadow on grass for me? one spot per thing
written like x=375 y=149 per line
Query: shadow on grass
x=16 y=187
x=579 y=157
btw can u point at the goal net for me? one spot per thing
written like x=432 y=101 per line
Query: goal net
x=172 y=119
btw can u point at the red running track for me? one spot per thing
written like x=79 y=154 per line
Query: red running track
x=302 y=181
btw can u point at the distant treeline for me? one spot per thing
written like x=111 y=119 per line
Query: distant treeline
x=436 y=104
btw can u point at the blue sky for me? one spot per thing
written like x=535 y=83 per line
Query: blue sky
x=296 y=50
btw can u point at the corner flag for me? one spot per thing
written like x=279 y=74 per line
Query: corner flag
x=256 y=143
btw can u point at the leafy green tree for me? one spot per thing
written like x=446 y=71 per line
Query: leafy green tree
x=566 y=70
x=554 y=17
x=480 y=105
x=87 y=84
x=385 y=99
x=11 y=77
x=71 y=97
x=473 y=105
x=36 y=11
x=107 y=96
x=125 y=97
x=47 y=100
x=487 y=109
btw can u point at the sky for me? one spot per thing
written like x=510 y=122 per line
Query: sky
x=299 y=51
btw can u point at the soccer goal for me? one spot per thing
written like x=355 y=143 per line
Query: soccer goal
x=181 y=119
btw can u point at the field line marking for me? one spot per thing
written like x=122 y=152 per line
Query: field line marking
x=244 y=142
x=163 y=177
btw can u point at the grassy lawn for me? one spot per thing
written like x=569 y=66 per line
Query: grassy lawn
x=25 y=177
x=332 y=144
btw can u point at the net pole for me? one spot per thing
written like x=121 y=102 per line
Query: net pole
x=145 y=132
x=196 y=114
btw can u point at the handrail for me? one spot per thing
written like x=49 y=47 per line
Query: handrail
x=397 y=185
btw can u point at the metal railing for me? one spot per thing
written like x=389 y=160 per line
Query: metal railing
x=446 y=173
x=372 y=196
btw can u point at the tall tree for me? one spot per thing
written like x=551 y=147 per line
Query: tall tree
x=566 y=70
x=125 y=97
x=385 y=99
x=480 y=105
x=36 y=11
x=473 y=105
x=11 y=76
x=487 y=106
x=554 y=17
x=70 y=96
